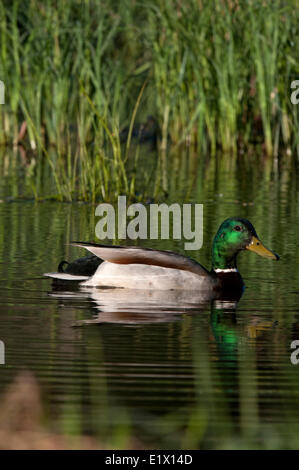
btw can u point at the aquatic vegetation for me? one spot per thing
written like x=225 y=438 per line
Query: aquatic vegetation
x=77 y=74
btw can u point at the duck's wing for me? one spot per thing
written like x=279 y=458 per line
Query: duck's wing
x=138 y=255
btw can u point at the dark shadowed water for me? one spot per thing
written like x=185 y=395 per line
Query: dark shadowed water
x=178 y=375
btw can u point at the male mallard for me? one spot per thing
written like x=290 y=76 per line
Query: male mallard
x=144 y=268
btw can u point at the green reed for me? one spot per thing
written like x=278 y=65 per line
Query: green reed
x=218 y=76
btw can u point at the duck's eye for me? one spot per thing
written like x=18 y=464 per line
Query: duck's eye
x=237 y=228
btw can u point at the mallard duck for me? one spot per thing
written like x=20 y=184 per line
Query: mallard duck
x=145 y=268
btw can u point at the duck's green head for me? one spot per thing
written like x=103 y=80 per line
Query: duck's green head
x=234 y=235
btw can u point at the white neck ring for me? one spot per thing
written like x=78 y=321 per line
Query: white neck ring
x=228 y=270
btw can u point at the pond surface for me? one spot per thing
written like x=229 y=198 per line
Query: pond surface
x=213 y=375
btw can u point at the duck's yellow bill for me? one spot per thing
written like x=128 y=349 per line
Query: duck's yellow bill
x=257 y=246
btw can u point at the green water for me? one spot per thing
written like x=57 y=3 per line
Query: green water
x=215 y=375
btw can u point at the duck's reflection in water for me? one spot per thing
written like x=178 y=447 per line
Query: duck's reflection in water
x=120 y=305
x=137 y=306
x=171 y=356
x=231 y=330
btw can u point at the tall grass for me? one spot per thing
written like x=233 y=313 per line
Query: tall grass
x=218 y=75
